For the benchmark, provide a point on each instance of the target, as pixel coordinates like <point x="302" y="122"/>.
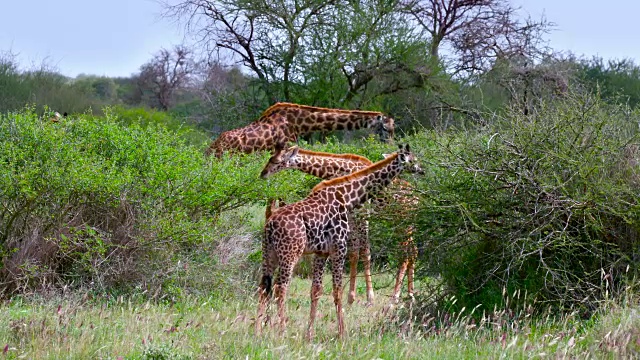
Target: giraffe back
<point x="320" y="164"/>
<point x="257" y="136"/>
<point x="304" y="119"/>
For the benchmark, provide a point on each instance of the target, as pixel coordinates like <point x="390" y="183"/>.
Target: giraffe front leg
<point x="366" y="249"/>
<point x="316" y="292"/>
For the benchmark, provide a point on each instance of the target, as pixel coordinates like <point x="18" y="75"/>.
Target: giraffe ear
<point x="400" y="147"/>
<point x="294" y="152"/>
<point x="406" y="147"/>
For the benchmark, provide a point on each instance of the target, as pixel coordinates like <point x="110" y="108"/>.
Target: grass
<point x="82" y="327"/>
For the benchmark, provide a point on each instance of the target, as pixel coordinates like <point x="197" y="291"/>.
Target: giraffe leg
<point x="399" y="277"/>
<point x="365" y="247"/>
<point x="316" y="292"/>
<point x="337" y="266"/>
<point x="353" y="246"/>
<point x="353" y="262"/>
<point x="410" y="272"/>
<point x="264" y="293"/>
<point x="280" y="290"/>
<point x="411" y="264"/>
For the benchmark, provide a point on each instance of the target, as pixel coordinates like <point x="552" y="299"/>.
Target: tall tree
<point x="340" y="47"/>
<point x="264" y="35"/>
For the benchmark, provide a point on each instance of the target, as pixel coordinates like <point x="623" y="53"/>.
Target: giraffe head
<point x="408" y="159"/>
<point x="384" y="127"/>
<point x="281" y="159"/>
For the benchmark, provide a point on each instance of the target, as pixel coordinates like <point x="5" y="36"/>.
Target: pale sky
<point x="100" y="37"/>
<point x="115" y="37"/>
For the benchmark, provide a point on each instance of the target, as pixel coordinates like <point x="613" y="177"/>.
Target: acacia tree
<point x="264" y="36"/>
<point x="166" y="73"/>
<point x="320" y="52"/>
<point x="378" y="53"/>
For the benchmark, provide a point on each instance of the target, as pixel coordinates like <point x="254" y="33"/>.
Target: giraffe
<point x="401" y="192"/>
<point x="329" y="166"/>
<point x="304" y="119"/>
<point x="319" y="225"/>
<point x="257" y="136"/>
<point x="287" y="121"/>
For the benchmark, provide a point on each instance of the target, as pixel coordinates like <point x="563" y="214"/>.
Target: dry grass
<point x="199" y="328"/>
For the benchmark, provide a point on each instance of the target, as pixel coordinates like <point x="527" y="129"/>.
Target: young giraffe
<point x="287" y="121"/>
<point x="319" y="224"/>
<point x="328" y="166"/>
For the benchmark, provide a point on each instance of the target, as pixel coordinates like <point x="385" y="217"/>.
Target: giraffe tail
<point x="265" y="284"/>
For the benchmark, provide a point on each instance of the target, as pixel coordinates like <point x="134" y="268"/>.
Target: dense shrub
<point x="91" y="200"/>
<point x="150" y="117"/>
<point x="546" y="204"/>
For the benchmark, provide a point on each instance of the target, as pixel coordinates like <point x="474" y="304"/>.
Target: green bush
<point x="89" y="200"/>
<point x="546" y="204"/>
<point x="149" y="117"/>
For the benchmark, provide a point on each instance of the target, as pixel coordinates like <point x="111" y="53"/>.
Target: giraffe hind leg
<point x="266" y="285"/>
<point x="280" y="290"/>
<point x="353" y="263"/>
<point x="263" y="301"/>
<point x="316" y="291"/>
<point x="337" y="266"/>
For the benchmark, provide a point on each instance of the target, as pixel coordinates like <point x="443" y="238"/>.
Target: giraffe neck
<point x="307" y="119"/>
<point x="356" y="188"/>
<point x="329" y="166"/>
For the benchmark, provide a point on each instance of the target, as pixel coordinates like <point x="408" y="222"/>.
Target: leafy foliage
<point x="90" y="193"/>
<point x="615" y="80"/>
<point x="545" y="203"/>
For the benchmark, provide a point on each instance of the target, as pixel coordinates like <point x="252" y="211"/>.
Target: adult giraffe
<point x="284" y="122"/>
<point x="319" y="225"/>
<point x="328" y="166"/>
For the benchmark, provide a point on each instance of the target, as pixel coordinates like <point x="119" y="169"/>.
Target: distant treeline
<point x="215" y="97"/>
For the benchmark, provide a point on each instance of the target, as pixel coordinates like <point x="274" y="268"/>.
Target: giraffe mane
<point x="336" y="156"/>
<point x="355" y="175"/>
<point x="284" y="105"/>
